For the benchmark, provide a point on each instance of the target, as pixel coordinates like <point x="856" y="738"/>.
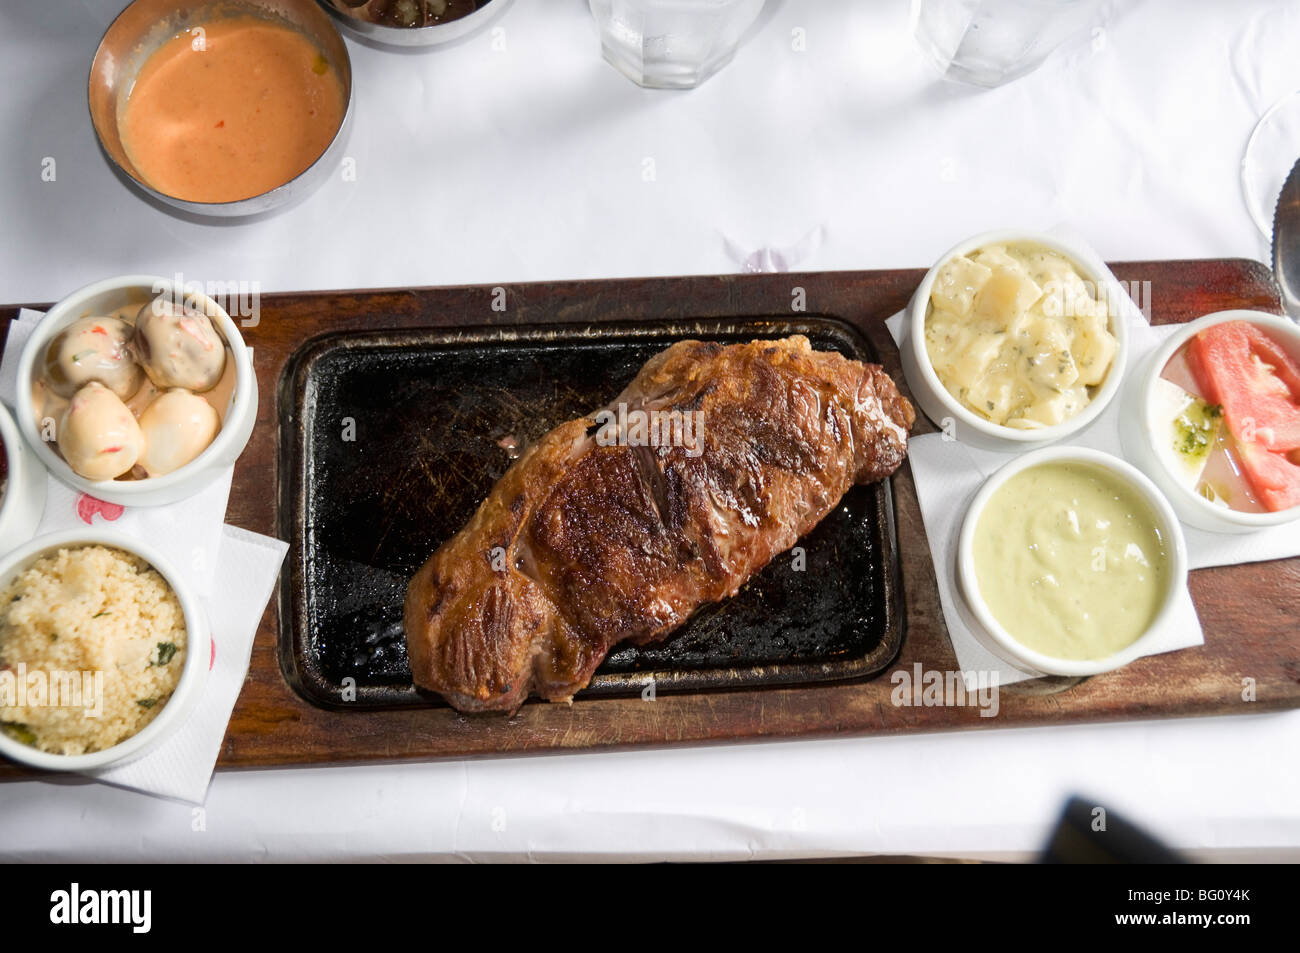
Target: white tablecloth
<point x="518" y="155"/>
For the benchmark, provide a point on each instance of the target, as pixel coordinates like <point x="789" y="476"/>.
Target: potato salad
<point x="1017" y="335"/>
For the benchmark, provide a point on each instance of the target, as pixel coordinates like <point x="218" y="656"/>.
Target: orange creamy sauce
<point x="251" y="109"/>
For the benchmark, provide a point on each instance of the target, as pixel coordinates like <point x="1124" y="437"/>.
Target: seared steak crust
<point x="582" y="545"/>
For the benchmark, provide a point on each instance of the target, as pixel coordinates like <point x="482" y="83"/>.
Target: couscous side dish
<point x="92" y="645"/>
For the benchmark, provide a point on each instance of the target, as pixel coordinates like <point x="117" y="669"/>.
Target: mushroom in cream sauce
<point x="93" y="349"/>
<point x="177" y="427"/>
<point x="98" y="435"/>
<point x="177" y="346"/>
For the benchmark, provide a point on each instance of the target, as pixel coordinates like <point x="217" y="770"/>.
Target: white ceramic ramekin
<point x="996" y="638"/>
<point x="968" y="426"/>
<point x="194" y="674"/>
<point x="1138" y="435"/>
<point x="237" y="424"/>
<point x="23" y="500"/>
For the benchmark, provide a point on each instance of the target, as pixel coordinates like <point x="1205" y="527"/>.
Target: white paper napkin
<point x="948" y="473"/>
<point x="181" y="767"/>
<point x="231" y="570"/>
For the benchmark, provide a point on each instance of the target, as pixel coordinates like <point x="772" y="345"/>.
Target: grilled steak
<point x="608" y="529"/>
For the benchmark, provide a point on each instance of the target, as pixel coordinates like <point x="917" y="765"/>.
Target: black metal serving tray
<point x="393" y="438"/>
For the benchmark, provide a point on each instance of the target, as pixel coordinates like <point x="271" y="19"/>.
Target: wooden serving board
<point x="1248" y="612"/>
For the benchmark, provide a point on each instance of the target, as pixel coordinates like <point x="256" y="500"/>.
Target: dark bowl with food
<point x="414" y="23"/>
<point x="22" y="486"/>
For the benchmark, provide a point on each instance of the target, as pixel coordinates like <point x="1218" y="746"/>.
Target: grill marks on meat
<point x="602" y="544"/>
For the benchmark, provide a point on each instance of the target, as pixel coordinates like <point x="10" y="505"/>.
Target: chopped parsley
<point x="1195" y="429"/>
<point x="18" y="732"/>
<point x="166" y="652"/>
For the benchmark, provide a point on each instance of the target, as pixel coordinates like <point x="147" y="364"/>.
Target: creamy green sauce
<point x="1070" y="560"/>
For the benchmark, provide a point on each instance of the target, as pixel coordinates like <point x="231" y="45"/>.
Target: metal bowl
<point x="144" y="26"/>
<point x="362" y="18"/>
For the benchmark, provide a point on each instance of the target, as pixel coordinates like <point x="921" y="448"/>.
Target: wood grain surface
<point x="1248" y="612"/>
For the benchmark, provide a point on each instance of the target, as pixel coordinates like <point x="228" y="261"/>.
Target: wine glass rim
<point x="1253" y="201"/>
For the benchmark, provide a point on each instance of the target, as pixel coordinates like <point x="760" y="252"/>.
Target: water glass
<point x="991" y="42"/>
<point x="672" y="44"/>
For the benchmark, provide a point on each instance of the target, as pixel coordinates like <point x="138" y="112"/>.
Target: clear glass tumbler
<point x="672" y="44"/>
<point x="991" y="42"/>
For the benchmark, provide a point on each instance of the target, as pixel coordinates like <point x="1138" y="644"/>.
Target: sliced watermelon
<point x="1248" y="374"/>
<point x="1273" y="477"/>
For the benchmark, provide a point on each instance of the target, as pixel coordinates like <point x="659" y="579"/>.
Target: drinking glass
<point x="1271" y="150"/>
<point x="991" y="42"/>
<point x="672" y="44"/>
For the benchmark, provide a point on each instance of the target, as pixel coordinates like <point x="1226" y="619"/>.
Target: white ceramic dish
<point x="194" y="674"/>
<point x="1137" y="429"/>
<point x="237" y="425"/>
<point x="968" y="426"/>
<point x="996" y="638"/>
<point x="23" y="500"/>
